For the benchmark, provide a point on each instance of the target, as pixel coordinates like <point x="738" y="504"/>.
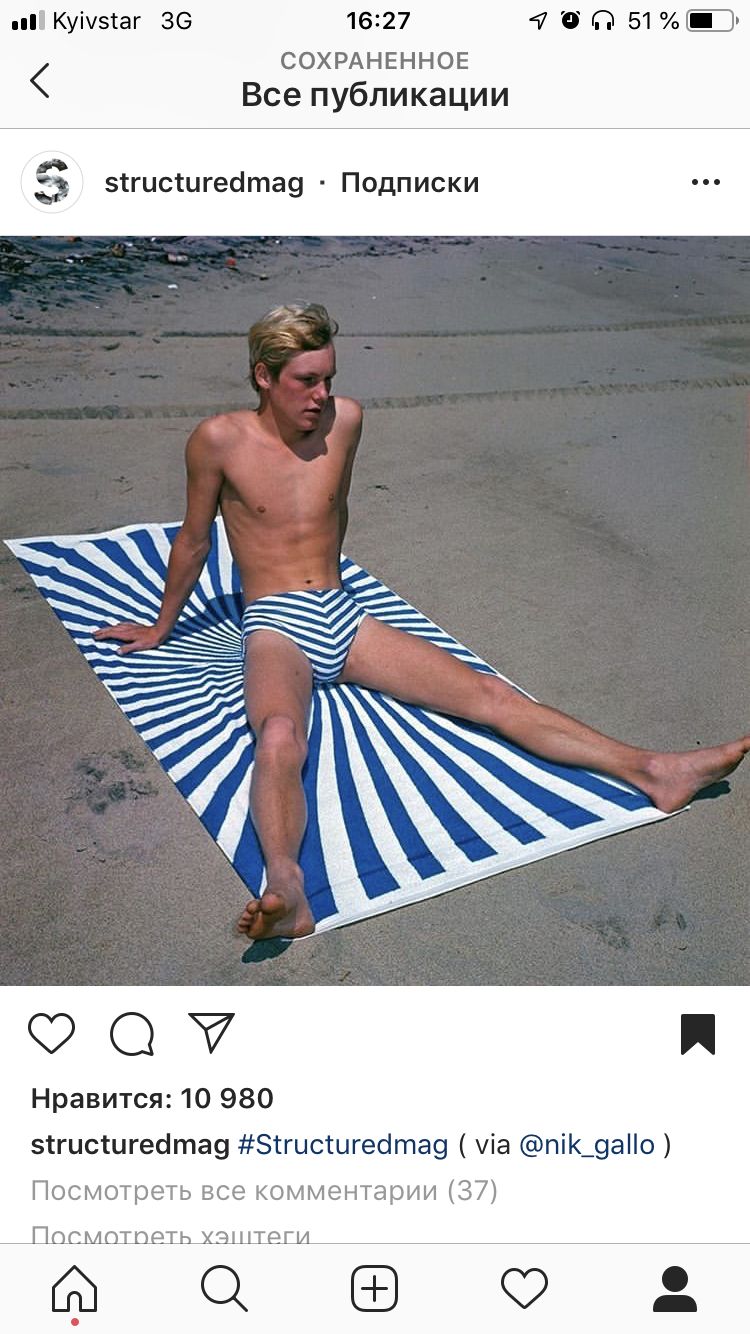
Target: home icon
<point x="74" y="1292"/>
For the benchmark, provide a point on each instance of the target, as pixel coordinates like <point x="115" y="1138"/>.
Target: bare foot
<point x="280" y="911"/>
<point x="670" y="780"/>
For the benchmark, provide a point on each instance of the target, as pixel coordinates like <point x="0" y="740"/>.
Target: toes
<point x="249" y="915"/>
<point x="275" y="914"/>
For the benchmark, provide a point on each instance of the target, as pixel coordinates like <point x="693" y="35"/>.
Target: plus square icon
<point x="374" y="1288"/>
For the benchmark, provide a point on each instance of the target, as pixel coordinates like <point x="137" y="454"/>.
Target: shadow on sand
<point x="262" y="950"/>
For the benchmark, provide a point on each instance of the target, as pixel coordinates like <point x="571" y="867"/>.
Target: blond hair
<point x="285" y="331"/>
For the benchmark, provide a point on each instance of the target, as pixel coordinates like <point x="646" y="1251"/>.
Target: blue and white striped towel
<point x="403" y="803"/>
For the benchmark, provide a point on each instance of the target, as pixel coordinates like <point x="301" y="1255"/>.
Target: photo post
<point x="374" y="573"/>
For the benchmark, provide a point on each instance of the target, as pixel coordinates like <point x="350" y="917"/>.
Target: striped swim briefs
<point x="320" y="621"/>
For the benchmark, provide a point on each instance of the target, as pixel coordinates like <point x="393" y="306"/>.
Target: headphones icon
<point x="609" y="17"/>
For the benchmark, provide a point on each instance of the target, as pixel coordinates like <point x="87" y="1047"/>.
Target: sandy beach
<point x="554" y="469"/>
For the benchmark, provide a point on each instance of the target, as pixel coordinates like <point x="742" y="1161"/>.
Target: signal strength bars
<point x="34" y="23"/>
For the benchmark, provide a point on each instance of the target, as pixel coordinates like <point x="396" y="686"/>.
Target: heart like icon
<point x="51" y="1031"/>
<point x="524" y="1286"/>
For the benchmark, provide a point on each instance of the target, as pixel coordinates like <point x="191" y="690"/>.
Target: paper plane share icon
<point x="214" y="1026"/>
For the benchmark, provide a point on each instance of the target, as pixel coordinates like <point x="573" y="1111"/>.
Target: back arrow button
<point x="38" y="86"/>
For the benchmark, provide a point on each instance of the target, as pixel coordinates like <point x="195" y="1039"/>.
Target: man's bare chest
<point x="284" y="488"/>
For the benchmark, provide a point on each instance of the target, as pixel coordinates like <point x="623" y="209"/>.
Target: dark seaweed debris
<point x="60" y="271"/>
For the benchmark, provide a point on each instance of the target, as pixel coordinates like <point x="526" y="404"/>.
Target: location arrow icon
<point x="538" y="19"/>
<point x="214" y="1026"/>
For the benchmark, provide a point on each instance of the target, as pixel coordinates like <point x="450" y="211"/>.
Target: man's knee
<point x="496" y="694"/>
<point x="280" y="740"/>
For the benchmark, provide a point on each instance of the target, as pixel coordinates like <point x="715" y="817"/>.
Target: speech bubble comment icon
<point x="51" y="1031"/>
<point x="132" y="1034"/>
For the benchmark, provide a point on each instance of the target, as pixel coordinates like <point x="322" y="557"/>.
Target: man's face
<point x="303" y="388"/>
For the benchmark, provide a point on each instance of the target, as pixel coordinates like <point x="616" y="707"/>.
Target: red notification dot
<point x="74" y="1322"/>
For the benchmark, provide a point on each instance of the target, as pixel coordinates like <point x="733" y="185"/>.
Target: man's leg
<point x="417" y="672"/>
<point x="278" y="686"/>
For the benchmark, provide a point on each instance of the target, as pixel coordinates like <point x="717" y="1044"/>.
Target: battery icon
<point x="710" y="20"/>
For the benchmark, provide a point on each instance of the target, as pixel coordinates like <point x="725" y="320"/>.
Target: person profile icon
<point x="674" y="1299"/>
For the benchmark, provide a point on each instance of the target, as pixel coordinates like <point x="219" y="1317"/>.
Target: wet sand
<point x="554" y="469"/>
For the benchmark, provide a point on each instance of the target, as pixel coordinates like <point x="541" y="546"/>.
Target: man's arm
<point x="190" y="547"/>
<point x="351" y="413"/>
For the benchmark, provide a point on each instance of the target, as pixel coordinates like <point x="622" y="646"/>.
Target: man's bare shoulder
<point x="226" y="428"/>
<point x="215" y="437"/>
<point x="348" y="410"/>
<point x="349" y="417"/>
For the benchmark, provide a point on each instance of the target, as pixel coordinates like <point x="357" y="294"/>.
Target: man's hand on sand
<point x="136" y="638"/>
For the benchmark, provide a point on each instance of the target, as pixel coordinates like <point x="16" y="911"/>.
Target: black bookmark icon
<point x="698" y="1030"/>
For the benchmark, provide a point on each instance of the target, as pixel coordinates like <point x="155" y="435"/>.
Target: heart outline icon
<point x="52" y="1020"/>
<point x="524" y="1274"/>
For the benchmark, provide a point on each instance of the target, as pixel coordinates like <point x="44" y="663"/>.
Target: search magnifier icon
<point x="221" y="1285"/>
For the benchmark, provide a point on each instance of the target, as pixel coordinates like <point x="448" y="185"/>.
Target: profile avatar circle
<point x="675" y="1299"/>
<point x="52" y="181"/>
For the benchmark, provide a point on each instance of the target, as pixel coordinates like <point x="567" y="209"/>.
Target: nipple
<point x="261" y="509"/>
